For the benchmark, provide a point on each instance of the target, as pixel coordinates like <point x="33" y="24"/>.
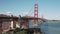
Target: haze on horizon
<point x="50" y="9"/>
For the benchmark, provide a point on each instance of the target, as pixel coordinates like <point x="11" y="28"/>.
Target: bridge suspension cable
<point x="30" y="12"/>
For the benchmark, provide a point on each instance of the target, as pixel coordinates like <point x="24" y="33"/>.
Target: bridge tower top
<point x="36" y="10"/>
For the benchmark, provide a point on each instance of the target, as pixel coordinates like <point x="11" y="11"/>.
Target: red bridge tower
<point x="35" y="15"/>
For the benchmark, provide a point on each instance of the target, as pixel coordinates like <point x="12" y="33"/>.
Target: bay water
<point x="48" y="27"/>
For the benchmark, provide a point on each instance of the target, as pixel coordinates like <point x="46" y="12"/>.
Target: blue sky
<point x="50" y="9"/>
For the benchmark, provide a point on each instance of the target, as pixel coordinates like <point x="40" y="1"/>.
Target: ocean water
<point x="48" y="27"/>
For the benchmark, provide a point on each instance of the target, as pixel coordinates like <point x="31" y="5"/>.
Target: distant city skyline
<point x="50" y="9"/>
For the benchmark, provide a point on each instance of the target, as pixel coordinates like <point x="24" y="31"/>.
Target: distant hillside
<point x="55" y="21"/>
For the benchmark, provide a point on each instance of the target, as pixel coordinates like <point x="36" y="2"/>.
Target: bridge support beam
<point x="11" y="24"/>
<point x="24" y="24"/>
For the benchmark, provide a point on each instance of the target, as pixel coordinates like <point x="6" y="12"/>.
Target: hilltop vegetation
<point x="16" y="31"/>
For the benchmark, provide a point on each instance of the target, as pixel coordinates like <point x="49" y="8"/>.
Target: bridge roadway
<point x="24" y="18"/>
<point x="32" y="18"/>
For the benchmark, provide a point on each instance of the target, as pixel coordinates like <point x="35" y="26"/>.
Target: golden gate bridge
<point x="24" y="20"/>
